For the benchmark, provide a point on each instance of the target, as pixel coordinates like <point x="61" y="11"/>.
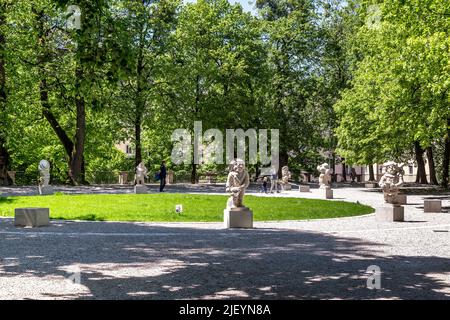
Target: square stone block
<point x="304" y="189"/>
<point x="328" y="194"/>
<point x="433" y="206"/>
<point x="238" y="218"/>
<point x="31" y="217"/>
<point x="390" y="213"/>
<point x="140" y="189"/>
<point x="402" y="199"/>
<point x="287" y="187"/>
<point x="48" y="190"/>
<point x="371" y="185"/>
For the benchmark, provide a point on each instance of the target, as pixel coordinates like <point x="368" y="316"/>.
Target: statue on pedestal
<point x="237" y="181"/>
<point x="141" y="174"/>
<point x="391" y="181"/>
<point x="44" y="173"/>
<point x="325" y="176"/>
<point x="285" y="176"/>
<point x="44" y="178"/>
<point x="236" y="215"/>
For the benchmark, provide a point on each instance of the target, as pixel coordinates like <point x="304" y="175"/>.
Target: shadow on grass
<point x="6" y="200"/>
<point x="86" y="217"/>
<point x="137" y="261"/>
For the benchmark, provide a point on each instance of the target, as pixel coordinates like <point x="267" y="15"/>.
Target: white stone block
<point x="432" y="206"/>
<point x="390" y="213"/>
<point x="304" y="189"/>
<point x="238" y="218"/>
<point x="370" y="185"/>
<point x="31" y="217"/>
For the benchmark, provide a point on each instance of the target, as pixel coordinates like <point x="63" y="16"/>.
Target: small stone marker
<point x="432" y="206"/>
<point x="370" y="185"/>
<point x="390" y="213"/>
<point x="31" y="217"/>
<point x="240" y="217"/>
<point x="304" y="189"/>
<point x="328" y="193"/>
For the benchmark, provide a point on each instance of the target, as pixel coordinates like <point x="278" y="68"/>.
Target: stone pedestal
<point x="12" y="176"/>
<point x="328" y="193"/>
<point x="287" y="187"/>
<point x="432" y="206"/>
<point x="304" y="189"/>
<point x="402" y="199"/>
<point x="390" y="213"/>
<point x="31" y="217"/>
<point x="140" y="189"/>
<point x="47" y="190"/>
<point x="123" y="177"/>
<point x="241" y="217"/>
<point x="371" y="185"/>
<point x="169" y="177"/>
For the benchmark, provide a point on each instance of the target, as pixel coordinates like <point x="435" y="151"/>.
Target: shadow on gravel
<point x="155" y="262"/>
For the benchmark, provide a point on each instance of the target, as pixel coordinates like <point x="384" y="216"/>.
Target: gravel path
<point x="316" y="259"/>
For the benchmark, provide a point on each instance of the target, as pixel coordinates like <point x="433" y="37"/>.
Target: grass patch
<point x="161" y="207"/>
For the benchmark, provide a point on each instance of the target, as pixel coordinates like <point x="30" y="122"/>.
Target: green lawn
<point x="161" y="207"/>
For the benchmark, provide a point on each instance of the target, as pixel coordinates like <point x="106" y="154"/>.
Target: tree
<point x="292" y="38"/>
<point x="216" y="56"/>
<point x="145" y="33"/>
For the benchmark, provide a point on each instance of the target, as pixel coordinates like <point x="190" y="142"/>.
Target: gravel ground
<point x="315" y="259"/>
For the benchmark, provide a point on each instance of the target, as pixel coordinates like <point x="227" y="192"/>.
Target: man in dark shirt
<point x="162" y="176"/>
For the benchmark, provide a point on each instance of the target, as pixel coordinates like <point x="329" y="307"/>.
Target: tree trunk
<point x="431" y="166"/>
<point x="194" y="174"/>
<point x="75" y="171"/>
<point x="4" y="154"/>
<point x="421" y="173"/>
<point x="46" y="111"/>
<point x="284" y="159"/>
<point x="137" y="141"/>
<point x="333" y="168"/>
<point x="371" y="173"/>
<point x="344" y="170"/>
<point x="446" y="160"/>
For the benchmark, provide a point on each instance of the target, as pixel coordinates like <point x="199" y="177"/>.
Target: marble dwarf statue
<point x="44" y="173"/>
<point x="141" y="174"/>
<point x="237" y="181"/>
<point x="285" y="176"/>
<point x="325" y="176"/>
<point x="391" y="180"/>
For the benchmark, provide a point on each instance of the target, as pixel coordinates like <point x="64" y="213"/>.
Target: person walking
<point x="162" y="176"/>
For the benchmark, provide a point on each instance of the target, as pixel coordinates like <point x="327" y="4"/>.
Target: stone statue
<point x="325" y="176"/>
<point x="141" y="174"/>
<point x="285" y="176"/>
<point x="391" y="180"/>
<point x="237" y="181"/>
<point x="44" y="173"/>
